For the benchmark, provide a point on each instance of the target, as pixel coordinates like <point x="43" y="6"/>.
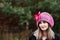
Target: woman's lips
<point x="43" y="27"/>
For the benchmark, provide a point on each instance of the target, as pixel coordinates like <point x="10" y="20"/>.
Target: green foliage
<point x="24" y="14"/>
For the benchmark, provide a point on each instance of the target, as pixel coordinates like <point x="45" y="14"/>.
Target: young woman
<point x="44" y="24"/>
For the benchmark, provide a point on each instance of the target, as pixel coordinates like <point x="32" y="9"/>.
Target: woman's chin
<point x="43" y="29"/>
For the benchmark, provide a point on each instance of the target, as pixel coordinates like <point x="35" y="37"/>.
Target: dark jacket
<point x="32" y="37"/>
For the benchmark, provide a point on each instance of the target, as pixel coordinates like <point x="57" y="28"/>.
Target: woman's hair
<point x="38" y="33"/>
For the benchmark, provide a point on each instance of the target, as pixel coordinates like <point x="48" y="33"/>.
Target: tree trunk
<point x="27" y="25"/>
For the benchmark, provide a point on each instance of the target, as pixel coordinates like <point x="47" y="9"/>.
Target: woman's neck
<point x="44" y="37"/>
<point x="44" y="33"/>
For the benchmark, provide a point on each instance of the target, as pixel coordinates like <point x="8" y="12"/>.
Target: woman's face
<point x="43" y="25"/>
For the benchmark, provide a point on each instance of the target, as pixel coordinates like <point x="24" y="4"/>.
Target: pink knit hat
<point x="44" y="16"/>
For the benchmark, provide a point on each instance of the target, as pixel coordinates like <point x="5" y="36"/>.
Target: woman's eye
<point x="44" y="22"/>
<point x="39" y="22"/>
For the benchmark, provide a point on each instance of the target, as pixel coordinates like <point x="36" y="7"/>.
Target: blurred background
<point x="17" y="17"/>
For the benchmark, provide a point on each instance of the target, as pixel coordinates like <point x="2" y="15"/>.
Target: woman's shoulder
<point x="32" y="37"/>
<point x="57" y="37"/>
